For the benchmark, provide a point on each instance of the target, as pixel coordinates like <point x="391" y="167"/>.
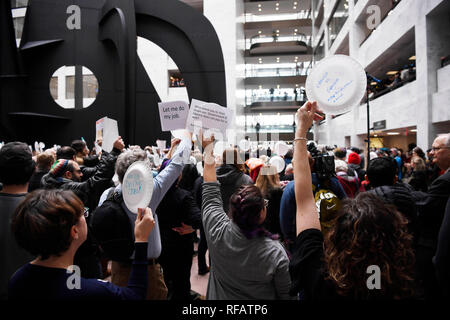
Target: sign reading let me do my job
<point x="173" y="115"/>
<point x="208" y="117"/>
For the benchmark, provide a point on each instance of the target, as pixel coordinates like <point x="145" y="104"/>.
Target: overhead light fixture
<point x="259" y="5"/>
<point x="259" y="31"/>
<point x="278" y="86"/>
<point x="393" y="133"/>
<point x="413" y="130"/>
<point x="374" y="83"/>
<point x="412" y="58"/>
<point x="259" y="9"/>
<point x="391" y="73"/>
<point x="294" y="7"/>
<point x="296" y="85"/>
<point x="260" y="87"/>
<point x="277" y="4"/>
<point x="295" y="3"/>
<point x="295" y="30"/>
<point x="375" y="135"/>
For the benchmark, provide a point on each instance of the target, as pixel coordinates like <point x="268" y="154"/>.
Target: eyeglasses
<point x="86" y="212"/>
<point x="266" y="203"/>
<point x="434" y="149"/>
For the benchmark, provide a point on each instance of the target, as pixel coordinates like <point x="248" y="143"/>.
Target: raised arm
<point x="307" y="217"/>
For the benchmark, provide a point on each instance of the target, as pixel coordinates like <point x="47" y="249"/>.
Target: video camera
<point x="323" y="162"/>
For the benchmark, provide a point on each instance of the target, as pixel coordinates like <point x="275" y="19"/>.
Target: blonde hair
<point x="268" y="178"/>
<point x="419" y="164"/>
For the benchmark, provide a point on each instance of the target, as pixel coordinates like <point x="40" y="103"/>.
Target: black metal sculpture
<point x="106" y="43"/>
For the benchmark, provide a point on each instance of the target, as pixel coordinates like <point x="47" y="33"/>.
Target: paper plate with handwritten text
<point x="137" y="186"/>
<point x="337" y="83"/>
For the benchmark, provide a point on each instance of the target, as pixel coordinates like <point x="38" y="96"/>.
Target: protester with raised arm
<point x="368" y="237"/>
<point x="246" y="263"/>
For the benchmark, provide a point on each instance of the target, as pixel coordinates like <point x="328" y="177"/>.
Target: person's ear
<point x="74" y="234"/>
<point x="67" y="175"/>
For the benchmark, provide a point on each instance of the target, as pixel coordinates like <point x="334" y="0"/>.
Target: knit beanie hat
<point x="354" y="158"/>
<point x="59" y="167"/>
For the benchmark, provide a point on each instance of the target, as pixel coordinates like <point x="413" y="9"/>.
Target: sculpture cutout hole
<point x="73" y="87"/>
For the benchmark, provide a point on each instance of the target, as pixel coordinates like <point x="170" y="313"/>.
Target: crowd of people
<point x="312" y="231"/>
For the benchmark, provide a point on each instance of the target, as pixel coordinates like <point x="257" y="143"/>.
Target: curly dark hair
<point x="369" y="232"/>
<point x="42" y="222"/>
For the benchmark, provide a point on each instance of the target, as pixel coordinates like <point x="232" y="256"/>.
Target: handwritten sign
<point x="173" y="115"/>
<point x="133" y="184"/>
<point x="333" y="87"/>
<point x="208" y="117"/>
<point x="137" y="186"/>
<point x="337" y="83"/>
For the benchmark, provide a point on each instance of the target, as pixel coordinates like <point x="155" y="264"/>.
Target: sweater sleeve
<point x="213" y="216"/>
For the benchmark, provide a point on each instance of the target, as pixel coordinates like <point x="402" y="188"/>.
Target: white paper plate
<point x="281" y="148"/>
<point x="278" y="162"/>
<point x="137" y="186"/>
<point x="337" y="83"/>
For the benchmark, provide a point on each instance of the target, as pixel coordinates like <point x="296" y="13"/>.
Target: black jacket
<point x="112" y="229"/>
<point x="402" y="197"/>
<point x="359" y="171"/>
<point x="432" y="207"/>
<point x="35" y="180"/>
<point x="272" y="221"/>
<point x="88" y="191"/>
<point x="442" y="258"/>
<point x="419" y="180"/>
<point x="177" y="206"/>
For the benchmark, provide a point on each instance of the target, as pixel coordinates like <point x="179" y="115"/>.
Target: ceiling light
<point x="375" y="135"/>
<point x="391" y="73"/>
<point x="413" y="130"/>
<point x="277" y="4"/>
<point x="294" y="7"/>
<point x="393" y="133"/>
<point x="412" y="58"/>
<point x="259" y="5"/>
<point x="295" y="3"/>
<point x="260" y="86"/>
<point x="296" y="85"/>
<point x="277" y="8"/>
<point x="278" y="86"/>
<point x="295" y="30"/>
<point x="259" y="9"/>
<point x="259" y="31"/>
